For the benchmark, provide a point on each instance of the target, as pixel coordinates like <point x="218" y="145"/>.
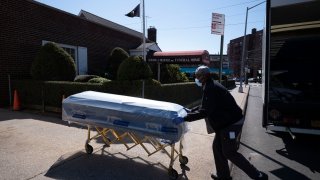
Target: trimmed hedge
<point x="40" y="94"/>
<point x="43" y="94"/>
<point x="117" y="56"/>
<point x="180" y="93"/>
<point x="169" y="73"/>
<point x="99" y="80"/>
<point x="84" y="78"/>
<point x="49" y="93"/>
<point x="53" y="64"/>
<point x="134" y="68"/>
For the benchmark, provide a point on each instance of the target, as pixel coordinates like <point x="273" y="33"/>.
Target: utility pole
<point x="221" y="58"/>
<point x="244" y="47"/>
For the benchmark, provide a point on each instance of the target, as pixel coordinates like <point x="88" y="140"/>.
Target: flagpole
<point x="143" y="41"/>
<point x="143" y="29"/>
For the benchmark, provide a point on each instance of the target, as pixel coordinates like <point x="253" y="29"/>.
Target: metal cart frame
<point x="118" y="136"/>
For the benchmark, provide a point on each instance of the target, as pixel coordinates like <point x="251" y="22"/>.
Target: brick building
<point x="26" y="25"/>
<point x="215" y="61"/>
<point x="253" y="52"/>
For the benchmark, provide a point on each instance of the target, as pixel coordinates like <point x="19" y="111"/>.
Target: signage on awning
<point x="181" y="57"/>
<point x="177" y="60"/>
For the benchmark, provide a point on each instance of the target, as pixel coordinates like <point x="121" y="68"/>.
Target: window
<point x="78" y="54"/>
<point x="71" y="51"/>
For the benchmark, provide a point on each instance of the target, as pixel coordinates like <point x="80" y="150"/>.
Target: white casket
<point x="144" y="116"/>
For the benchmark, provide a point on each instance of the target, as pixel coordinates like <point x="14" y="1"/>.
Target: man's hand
<point x="187" y="109"/>
<point x="187" y="119"/>
<point x="196" y="108"/>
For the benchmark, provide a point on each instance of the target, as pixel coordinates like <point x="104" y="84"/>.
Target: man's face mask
<point x="198" y="82"/>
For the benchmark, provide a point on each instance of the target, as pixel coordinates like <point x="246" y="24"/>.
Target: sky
<point x="182" y="25"/>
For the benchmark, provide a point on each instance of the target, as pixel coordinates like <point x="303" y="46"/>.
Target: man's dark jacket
<point x="218" y="106"/>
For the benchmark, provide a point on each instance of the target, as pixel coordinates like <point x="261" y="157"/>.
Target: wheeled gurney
<point x="128" y="120"/>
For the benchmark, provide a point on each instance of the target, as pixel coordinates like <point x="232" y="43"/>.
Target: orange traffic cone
<point x="16" y="101"/>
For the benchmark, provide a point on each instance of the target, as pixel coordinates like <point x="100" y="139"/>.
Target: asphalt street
<point x="275" y="153"/>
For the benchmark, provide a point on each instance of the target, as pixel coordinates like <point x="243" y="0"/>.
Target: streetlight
<point x="244" y="45"/>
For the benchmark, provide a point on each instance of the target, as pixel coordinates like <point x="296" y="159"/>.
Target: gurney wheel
<point x="89" y="148"/>
<point x="183" y="160"/>
<point x="173" y="174"/>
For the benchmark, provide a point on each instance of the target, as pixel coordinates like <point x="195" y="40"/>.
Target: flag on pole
<point x="135" y="12"/>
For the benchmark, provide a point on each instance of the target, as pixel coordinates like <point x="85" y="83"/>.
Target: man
<point x="224" y="117"/>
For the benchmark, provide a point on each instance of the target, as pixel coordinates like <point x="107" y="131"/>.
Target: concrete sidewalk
<point x="41" y="147"/>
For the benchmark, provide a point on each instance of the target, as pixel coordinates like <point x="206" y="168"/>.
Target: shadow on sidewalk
<point x="285" y="172"/>
<point x="304" y="149"/>
<point x="106" y="165"/>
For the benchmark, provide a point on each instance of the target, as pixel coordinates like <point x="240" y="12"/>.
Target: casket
<point x="131" y="114"/>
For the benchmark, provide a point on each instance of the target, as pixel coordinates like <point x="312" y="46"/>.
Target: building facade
<point x="215" y="61"/>
<point x="26" y="25"/>
<point x="253" y="50"/>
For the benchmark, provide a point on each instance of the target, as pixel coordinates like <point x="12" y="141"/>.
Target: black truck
<point x="291" y="66"/>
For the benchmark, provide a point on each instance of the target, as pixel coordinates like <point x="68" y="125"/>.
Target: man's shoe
<point x="263" y="176"/>
<point x="219" y="178"/>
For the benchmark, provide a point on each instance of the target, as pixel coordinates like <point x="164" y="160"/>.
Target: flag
<point x="135" y="12"/>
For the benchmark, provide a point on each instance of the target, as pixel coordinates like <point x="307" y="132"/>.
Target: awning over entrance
<point x="191" y="70"/>
<point x="181" y="57"/>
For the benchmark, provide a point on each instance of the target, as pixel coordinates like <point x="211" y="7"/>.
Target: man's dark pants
<point x="225" y="147"/>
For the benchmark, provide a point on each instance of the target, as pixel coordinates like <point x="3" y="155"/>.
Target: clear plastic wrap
<point x="144" y="116"/>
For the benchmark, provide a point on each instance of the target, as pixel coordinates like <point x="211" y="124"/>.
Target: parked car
<point x="251" y="80"/>
<point x="236" y="79"/>
<point x="254" y="80"/>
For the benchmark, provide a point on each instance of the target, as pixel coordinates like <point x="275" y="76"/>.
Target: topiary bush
<point x="53" y="64"/>
<point x="134" y="68"/>
<point x="117" y="56"/>
<point x="169" y="73"/>
<point x="175" y="75"/>
<point x="84" y="78"/>
<point x="99" y="80"/>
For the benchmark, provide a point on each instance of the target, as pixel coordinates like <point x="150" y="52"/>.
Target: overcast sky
<point x="180" y="24"/>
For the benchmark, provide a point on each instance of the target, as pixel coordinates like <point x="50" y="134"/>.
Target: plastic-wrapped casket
<point x="149" y="117"/>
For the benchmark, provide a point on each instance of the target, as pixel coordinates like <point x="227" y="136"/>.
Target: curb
<point x="245" y="103"/>
<point x="244" y="110"/>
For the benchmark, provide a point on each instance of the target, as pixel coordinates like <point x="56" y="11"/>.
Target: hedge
<point x="47" y="95"/>
<point x="117" y="56"/>
<point x="134" y="68"/>
<point x="53" y="64"/>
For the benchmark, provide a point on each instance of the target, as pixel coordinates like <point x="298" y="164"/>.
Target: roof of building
<point x="149" y="46"/>
<point x="94" y="18"/>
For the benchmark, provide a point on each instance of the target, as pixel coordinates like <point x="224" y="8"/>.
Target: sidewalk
<point x="40" y="147"/>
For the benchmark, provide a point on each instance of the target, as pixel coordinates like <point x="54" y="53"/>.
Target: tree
<point x="117" y="56"/>
<point x="169" y="73"/>
<point x="53" y="64"/>
<point x="134" y="68"/>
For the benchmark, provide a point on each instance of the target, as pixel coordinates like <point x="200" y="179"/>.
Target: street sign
<point x="217" y="24"/>
<point x="218" y="18"/>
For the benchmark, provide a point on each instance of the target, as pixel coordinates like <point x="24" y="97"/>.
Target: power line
<point x="232" y="15"/>
<point x="200" y="27"/>
<point x="232" y="5"/>
<point x="227" y="16"/>
<point x="223" y="7"/>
